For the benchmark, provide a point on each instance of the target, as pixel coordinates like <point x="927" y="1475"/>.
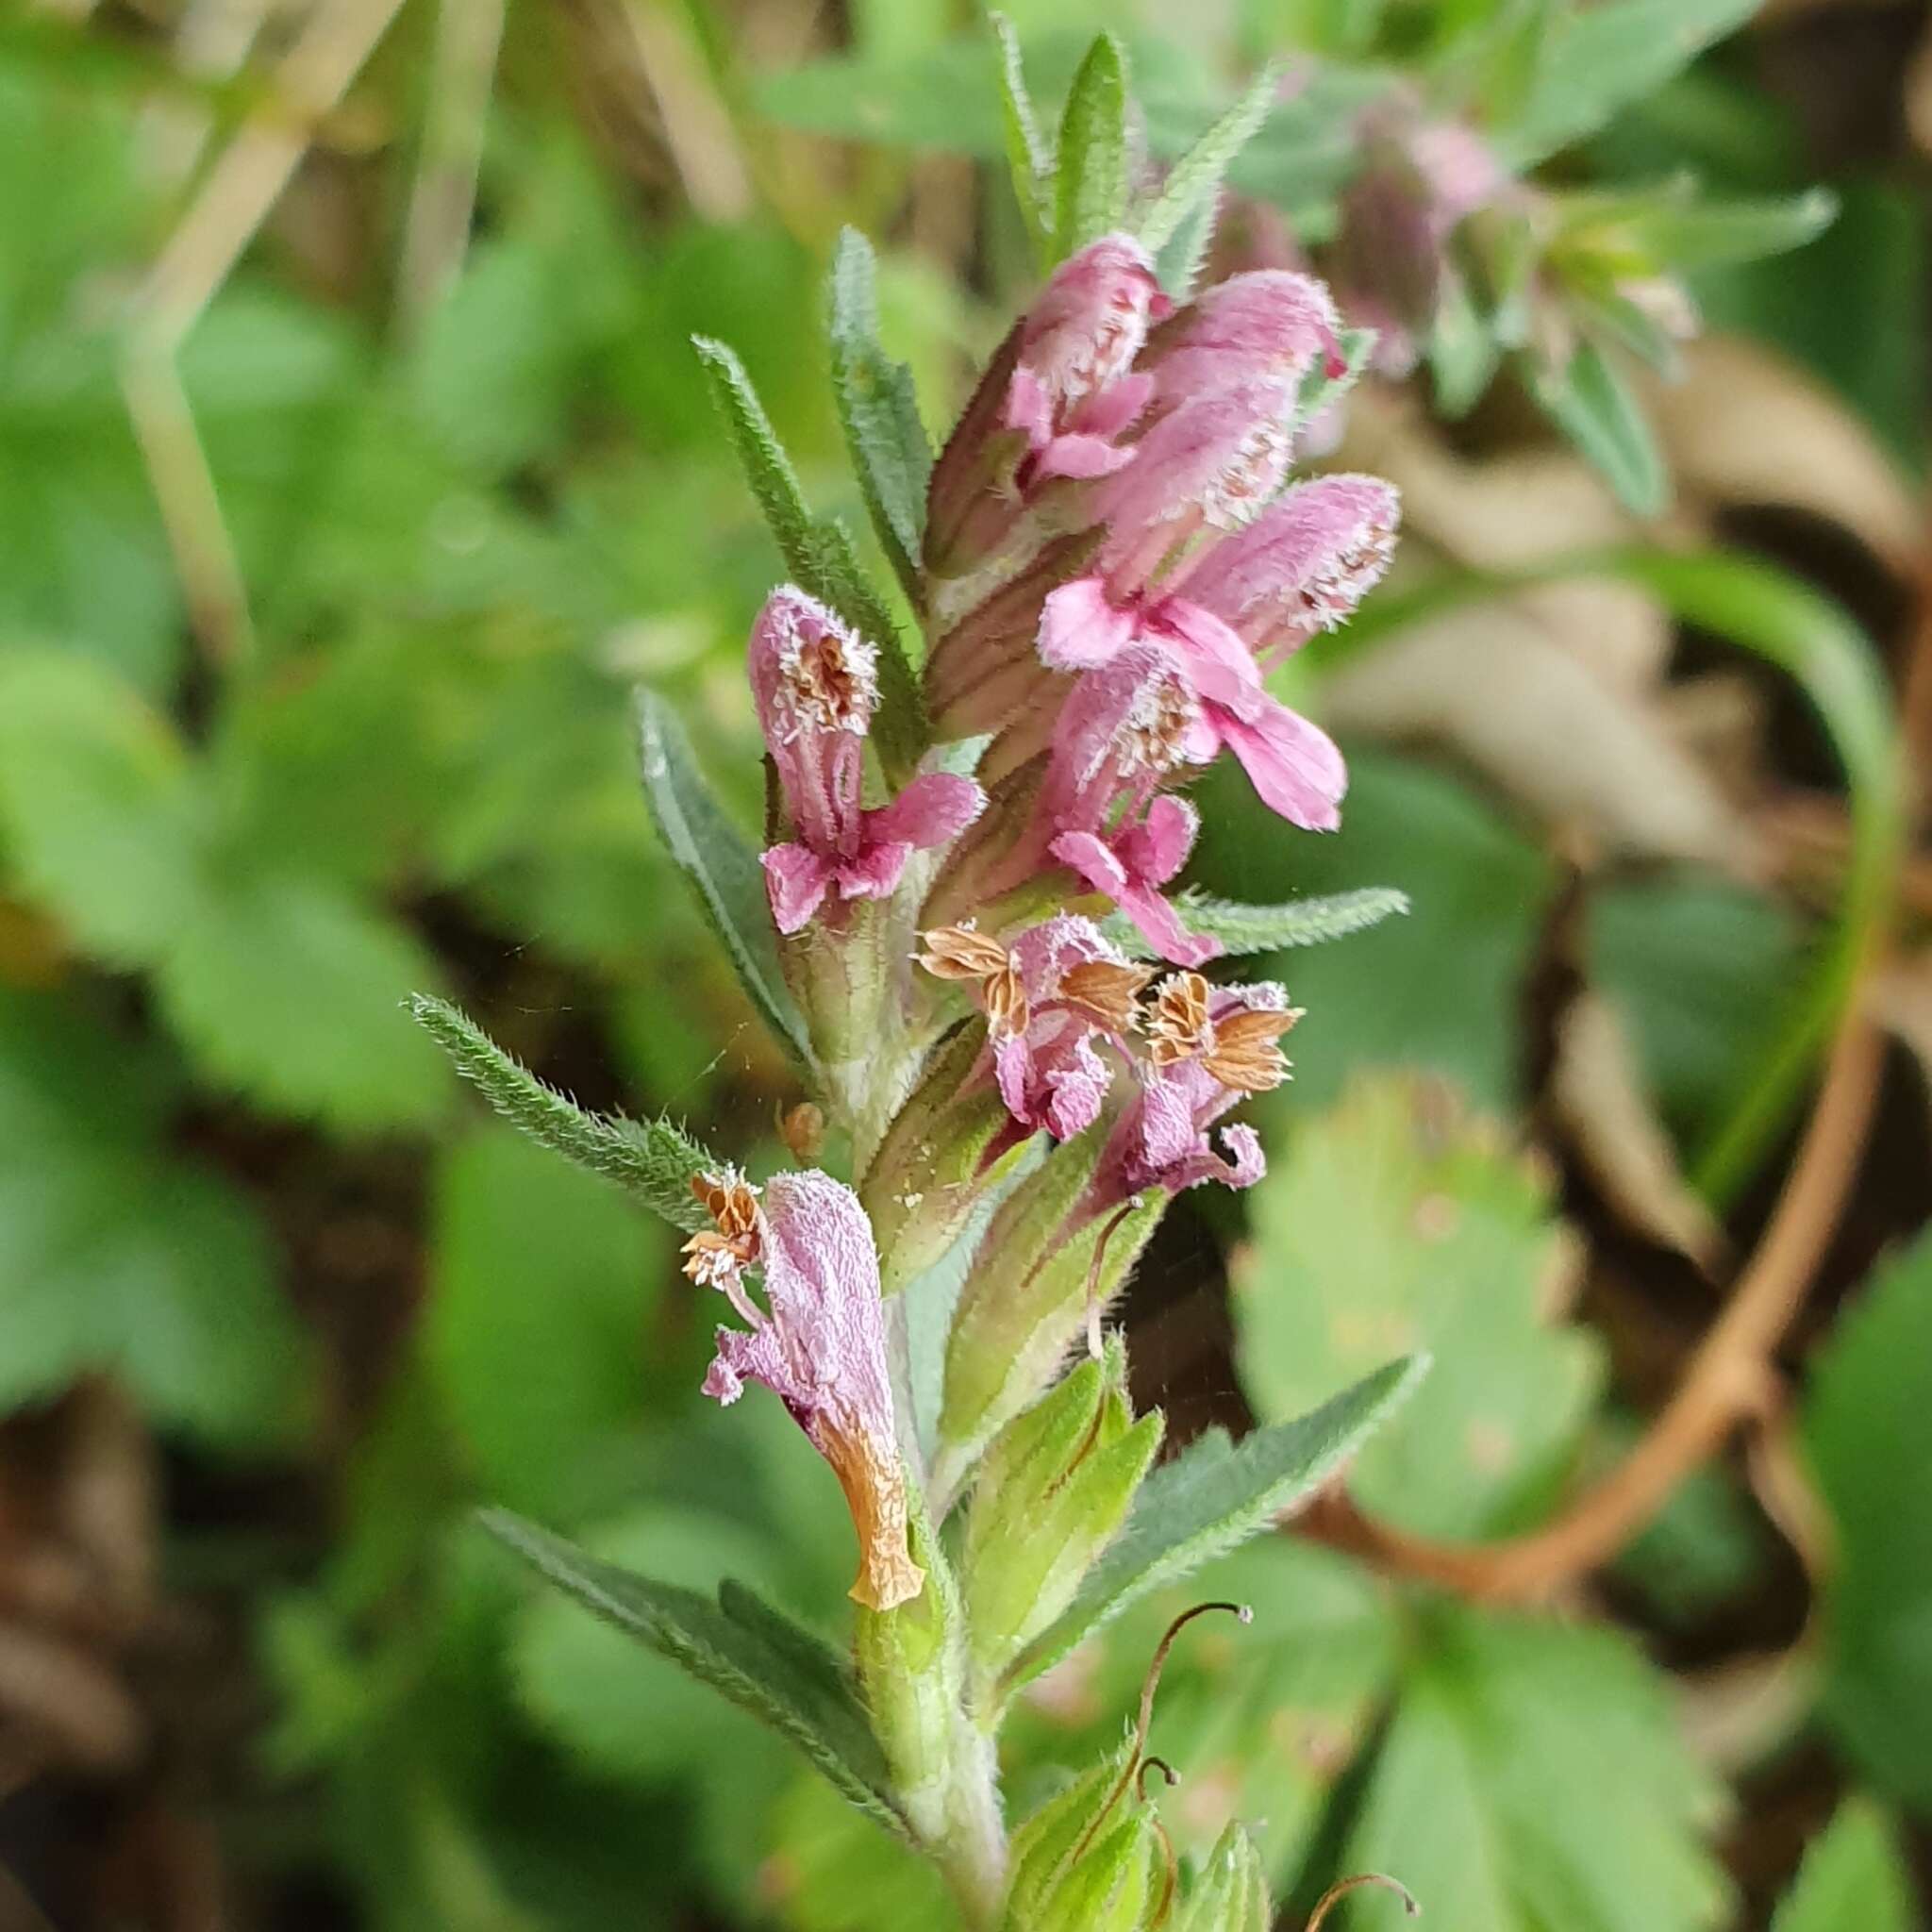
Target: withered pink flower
<point x="1072" y="390"/>
<point x="815" y="683"/>
<point x="1059" y="988"/>
<point x="1269" y="324"/>
<point x="1293" y="765"/>
<point x="1207" y="1049"/>
<point x="821" y="1349"/>
<point x="1302" y="566"/>
<point x="1124" y="730"/>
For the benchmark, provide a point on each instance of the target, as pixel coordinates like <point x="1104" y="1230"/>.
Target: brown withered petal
<point x="957" y="952"/>
<point x="1105" y="991"/>
<point x="1245" y="1054"/>
<point x="732" y="1203"/>
<point x="1180" y="1028"/>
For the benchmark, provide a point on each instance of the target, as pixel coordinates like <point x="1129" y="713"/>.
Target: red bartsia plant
<point x="964" y="923"/>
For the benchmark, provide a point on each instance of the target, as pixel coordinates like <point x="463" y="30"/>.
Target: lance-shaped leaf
<point x="742" y="1646"/>
<point x="1027" y="153"/>
<point x="1196" y="177"/>
<point x="711" y="853"/>
<point x="1090" y="192"/>
<point x="1270" y="928"/>
<point x="878" y="410"/>
<point x="819" y="554"/>
<point x="651" y="1159"/>
<point x="1214" y="1495"/>
<point x="1594" y="406"/>
<point x="1600" y="58"/>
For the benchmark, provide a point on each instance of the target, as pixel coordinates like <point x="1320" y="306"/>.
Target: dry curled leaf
<point x="1745" y="425"/>
<point x="1489" y="682"/>
<point x="1600" y="1099"/>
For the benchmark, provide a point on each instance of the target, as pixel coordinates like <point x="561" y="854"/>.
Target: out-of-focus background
<point x="354" y="465"/>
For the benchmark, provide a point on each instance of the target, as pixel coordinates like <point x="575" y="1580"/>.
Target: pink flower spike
<point x="1270" y="322"/>
<point x="815" y="686"/>
<point x="821" y="1351"/>
<point x="1304" y="564"/>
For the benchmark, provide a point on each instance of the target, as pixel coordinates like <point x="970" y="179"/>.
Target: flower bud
<point x="1044" y="1264"/>
<point x="938" y="1159"/>
<point x="1054" y="1488"/>
<point x="1086" y="1861"/>
<point x="1057" y="393"/>
<point x="1231" y="1893"/>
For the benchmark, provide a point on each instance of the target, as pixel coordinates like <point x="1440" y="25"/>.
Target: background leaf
<point x="1389" y="1223"/>
<point x="1867" y="1433"/>
<point x="723" y="870"/>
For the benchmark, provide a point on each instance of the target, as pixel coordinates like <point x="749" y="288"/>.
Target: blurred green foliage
<point x="223" y="870"/>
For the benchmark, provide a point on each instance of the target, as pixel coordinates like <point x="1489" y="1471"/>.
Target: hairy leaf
<point x="818" y="552"/>
<point x="1265" y="928"/>
<point x="747" y="1651"/>
<point x="722" y="868"/>
<point x="1090" y="192"/>
<point x="1216" y="1494"/>
<point x="1196" y="177"/>
<point x="654" y="1160"/>
<point x="878" y="411"/>
<point x="1031" y="165"/>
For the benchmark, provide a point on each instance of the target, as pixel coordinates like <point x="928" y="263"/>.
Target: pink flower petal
<point x="1079" y="459"/>
<point x="1080" y="628"/>
<point x="1295" y="768"/>
<point x="1095" y="862"/>
<point x="1158" y="847"/>
<point x="877" y="871"/>
<point x="936" y="806"/>
<point x="796" y="881"/>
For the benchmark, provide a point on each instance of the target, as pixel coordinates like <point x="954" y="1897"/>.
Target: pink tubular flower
<point x="1072" y="392"/>
<point x="1208" y="464"/>
<point x="1303" y="565"/>
<point x="1124" y="729"/>
<point x="1059" y="988"/>
<point x="1208" y="1047"/>
<point x="821" y="1350"/>
<point x="1293" y="765"/>
<point x="815" y="684"/>
<point x="1270" y="323"/>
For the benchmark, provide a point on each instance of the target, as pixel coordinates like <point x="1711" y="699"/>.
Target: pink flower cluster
<point x="1116" y="564"/>
<point x="1064" y="1016"/>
